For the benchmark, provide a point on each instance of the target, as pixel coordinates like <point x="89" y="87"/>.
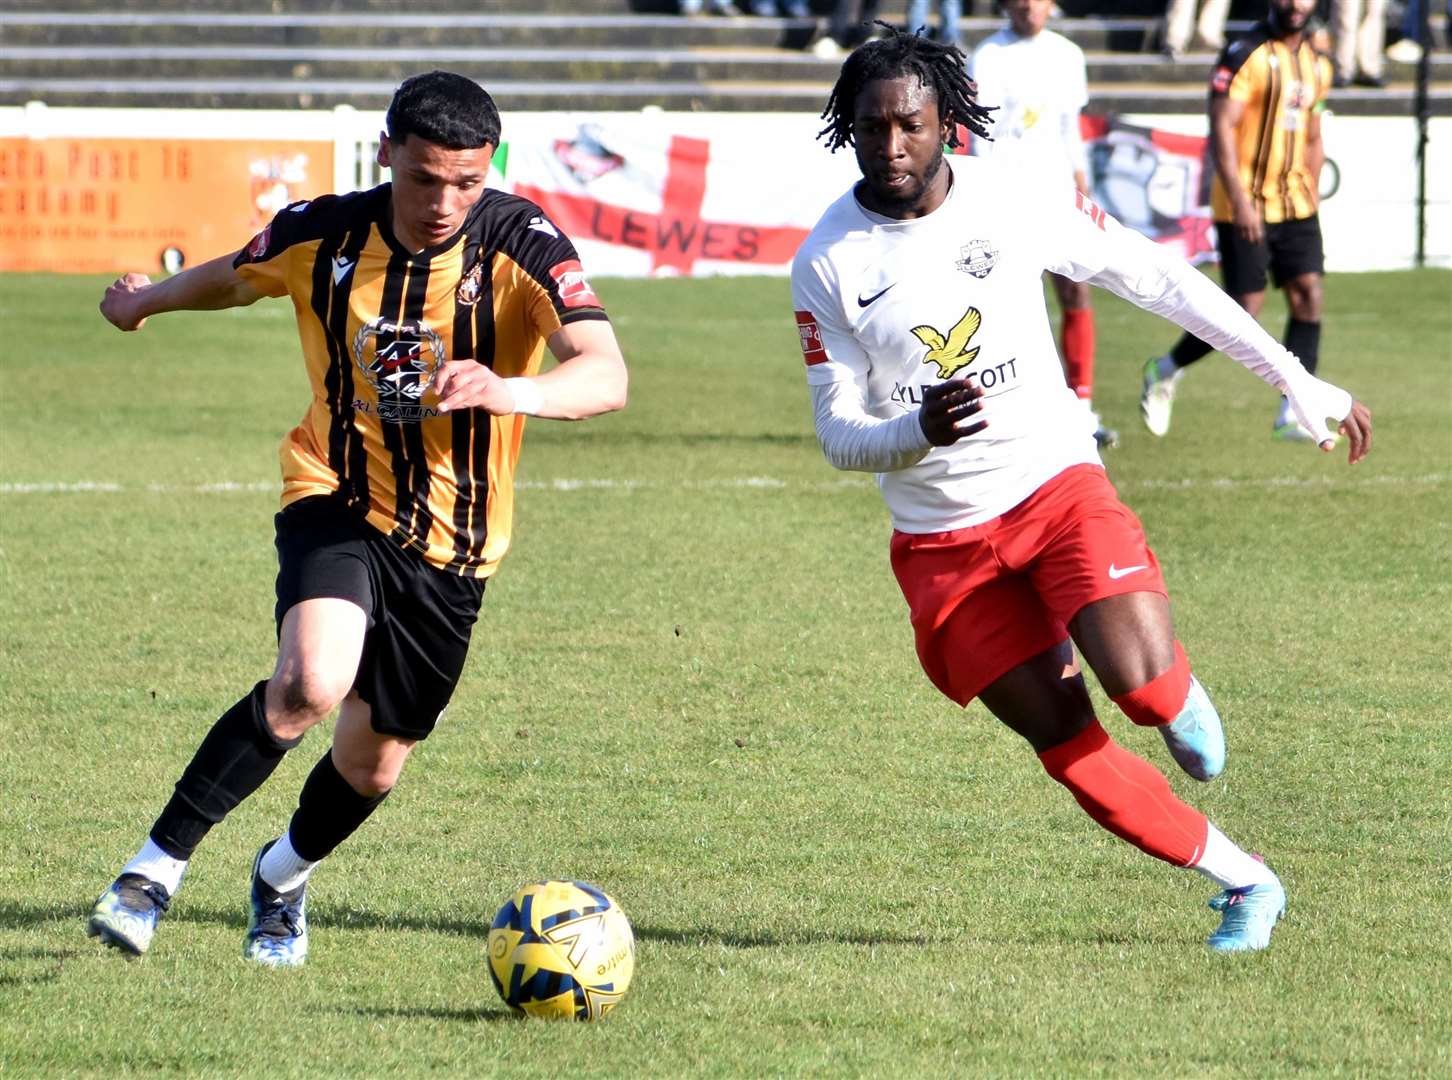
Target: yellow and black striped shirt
<point x="376" y="321"/>
<point x="1280" y="88"/>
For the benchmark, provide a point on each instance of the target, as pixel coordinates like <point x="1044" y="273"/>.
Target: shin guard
<point x="1128" y="796"/>
<point x="328" y="811"/>
<point x="236" y="757"/>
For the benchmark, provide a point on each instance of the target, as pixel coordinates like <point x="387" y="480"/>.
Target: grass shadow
<point x="468" y="1016"/>
<point x="733" y="939"/>
<point x="49" y="961"/>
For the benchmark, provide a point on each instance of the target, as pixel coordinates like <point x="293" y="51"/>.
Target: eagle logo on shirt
<point x="952" y="352"/>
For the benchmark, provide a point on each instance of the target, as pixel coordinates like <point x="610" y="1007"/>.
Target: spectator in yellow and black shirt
<point x="424" y="308"/>
<point x="1266" y="96"/>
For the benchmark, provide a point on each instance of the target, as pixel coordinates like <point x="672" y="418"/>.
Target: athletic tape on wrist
<point x="528" y="397"/>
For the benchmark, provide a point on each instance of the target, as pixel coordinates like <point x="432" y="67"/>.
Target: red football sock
<point x="1077" y="340"/>
<point x="1160" y="700"/>
<point x="1128" y="796"/>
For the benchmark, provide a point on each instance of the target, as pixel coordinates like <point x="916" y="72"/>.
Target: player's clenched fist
<point x="121" y="305"/>
<point x="947" y="409"/>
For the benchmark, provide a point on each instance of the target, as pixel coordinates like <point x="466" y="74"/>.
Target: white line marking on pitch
<point x="759" y="483"/>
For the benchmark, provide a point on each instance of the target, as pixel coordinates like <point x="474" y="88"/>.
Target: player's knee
<point x="302" y="697"/>
<point x="1304" y="298"/>
<point x="1160" y="699"/>
<point x="371" y="778"/>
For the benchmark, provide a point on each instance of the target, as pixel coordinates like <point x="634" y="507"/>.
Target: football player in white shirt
<point x="931" y="362"/>
<point x="1036" y="82"/>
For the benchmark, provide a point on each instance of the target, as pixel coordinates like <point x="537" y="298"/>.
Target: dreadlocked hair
<point x="935" y="63"/>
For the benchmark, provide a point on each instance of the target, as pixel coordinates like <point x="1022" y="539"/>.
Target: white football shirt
<point x="1038" y="86"/>
<point x="886" y="308"/>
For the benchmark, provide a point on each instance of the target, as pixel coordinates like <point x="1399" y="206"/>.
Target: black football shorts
<point x="1289" y="249"/>
<point x="419" y="617"/>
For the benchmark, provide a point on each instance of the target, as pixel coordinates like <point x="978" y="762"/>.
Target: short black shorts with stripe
<point x="419" y="617"/>
<point x="1290" y="249"/>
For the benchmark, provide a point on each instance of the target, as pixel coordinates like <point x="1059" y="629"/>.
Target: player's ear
<point x="383" y="160"/>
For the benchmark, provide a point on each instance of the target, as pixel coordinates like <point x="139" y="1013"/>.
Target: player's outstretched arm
<point x="1097" y="249"/>
<point x="132" y="298"/>
<point x="589" y="379"/>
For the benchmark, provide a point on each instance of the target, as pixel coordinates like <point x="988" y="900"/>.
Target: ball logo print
<point x="562" y="950"/>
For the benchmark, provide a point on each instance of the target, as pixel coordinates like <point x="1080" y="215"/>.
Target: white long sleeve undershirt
<point x="852" y="439"/>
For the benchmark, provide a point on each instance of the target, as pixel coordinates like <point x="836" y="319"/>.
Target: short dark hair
<point x="444" y="108"/>
<point x="938" y="65"/>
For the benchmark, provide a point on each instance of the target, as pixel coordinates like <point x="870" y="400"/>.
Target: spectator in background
<point x="1180" y="21"/>
<point x="851" y="25"/>
<point x="1264" y="198"/>
<point x="949" y="11"/>
<point x="1409" y="47"/>
<point x="1358" y="31"/>
<point x="718" y="7"/>
<point x="1037" y="83"/>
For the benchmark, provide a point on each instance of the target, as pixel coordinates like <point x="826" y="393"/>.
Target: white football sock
<point x="1228" y="866"/>
<point x="282" y="867"/>
<point x="156" y="865"/>
<point x="1287" y="414"/>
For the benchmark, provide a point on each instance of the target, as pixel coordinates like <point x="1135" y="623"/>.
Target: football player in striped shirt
<point x="424" y="308"/>
<point x="931" y="362"/>
<point x="1267" y="93"/>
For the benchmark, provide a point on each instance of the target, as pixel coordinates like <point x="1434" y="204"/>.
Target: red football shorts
<point x="986" y="598"/>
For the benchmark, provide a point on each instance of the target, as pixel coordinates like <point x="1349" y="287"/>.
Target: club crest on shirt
<point x="398" y="359"/>
<point x="471" y="285"/>
<point x="978" y="258"/>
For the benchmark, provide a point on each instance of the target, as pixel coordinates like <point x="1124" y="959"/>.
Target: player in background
<point x="1266" y="96"/>
<point x="935" y="368"/>
<point x="1036" y="81"/>
<point x="424" y="307"/>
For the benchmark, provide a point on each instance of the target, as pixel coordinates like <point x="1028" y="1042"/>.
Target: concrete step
<point x="613" y="54"/>
<point x="340" y="7"/>
<point x="519" y="95"/>
<point x="473" y="26"/>
<point x="387" y="30"/>
<point x="545" y="24"/>
<point x="279" y="64"/>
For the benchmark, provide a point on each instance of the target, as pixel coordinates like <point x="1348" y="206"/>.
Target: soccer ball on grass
<point x="561" y="949"/>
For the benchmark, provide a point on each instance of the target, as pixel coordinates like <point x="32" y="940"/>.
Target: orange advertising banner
<point x="89" y="205"/>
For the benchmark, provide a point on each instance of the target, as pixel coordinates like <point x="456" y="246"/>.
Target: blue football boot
<point x="1248" y="916"/>
<point x="1195" y="738"/>
<point x="125" y="915"/>
<point x="277" y="931"/>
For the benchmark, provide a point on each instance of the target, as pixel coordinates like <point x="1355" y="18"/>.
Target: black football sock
<point x="1189" y="349"/>
<point x="238" y="754"/>
<point x="328" y="811"/>
<point x="1304" y="339"/>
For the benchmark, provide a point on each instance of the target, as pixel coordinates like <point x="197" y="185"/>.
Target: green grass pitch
<point x="693" y="683"/>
